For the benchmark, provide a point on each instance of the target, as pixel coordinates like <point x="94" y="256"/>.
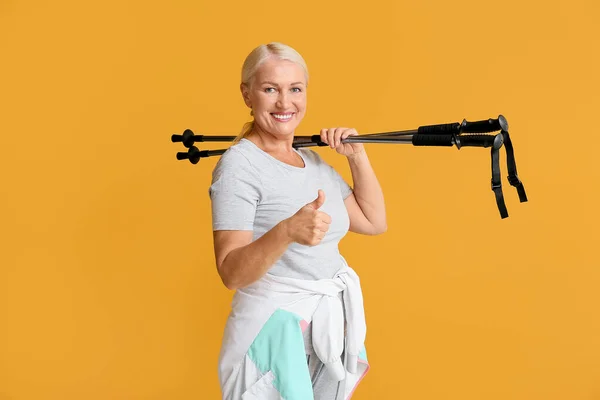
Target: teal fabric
<point x="363" y="354"/>
<point x="279" y="347"/>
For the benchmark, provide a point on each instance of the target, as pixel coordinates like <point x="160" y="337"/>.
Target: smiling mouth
<point x="283" y="117"/>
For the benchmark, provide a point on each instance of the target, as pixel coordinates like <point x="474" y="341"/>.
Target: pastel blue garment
<point x="263" y="355"/>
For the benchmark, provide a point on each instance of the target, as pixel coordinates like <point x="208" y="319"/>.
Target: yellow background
<point x="108" y="288"/>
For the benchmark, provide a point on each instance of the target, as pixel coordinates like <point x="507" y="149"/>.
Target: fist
<point x="309" y="225"/>
<point x="334" y="136"/>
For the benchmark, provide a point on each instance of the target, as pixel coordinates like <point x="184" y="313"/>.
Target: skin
<point x="241" y="261"/>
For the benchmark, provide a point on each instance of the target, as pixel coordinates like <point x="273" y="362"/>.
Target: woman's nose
<point x="283" y="100"/>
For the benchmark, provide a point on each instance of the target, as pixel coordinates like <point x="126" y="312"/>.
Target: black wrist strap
<point x="513" y="178"/>
<point x="511" y="164"/>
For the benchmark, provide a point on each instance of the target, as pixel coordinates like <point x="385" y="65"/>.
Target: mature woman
<point x="297" y="327"/>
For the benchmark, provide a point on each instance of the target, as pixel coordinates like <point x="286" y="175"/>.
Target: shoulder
<point x="235" y="161"/>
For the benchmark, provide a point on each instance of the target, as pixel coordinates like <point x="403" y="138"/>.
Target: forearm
<point x="367" y="190"/>
<point x="247" y="264"/>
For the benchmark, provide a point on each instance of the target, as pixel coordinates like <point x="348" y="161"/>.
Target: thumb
<point x="318" y="202"/>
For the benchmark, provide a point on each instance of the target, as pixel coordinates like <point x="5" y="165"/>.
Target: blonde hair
<point x="256" y="57"/>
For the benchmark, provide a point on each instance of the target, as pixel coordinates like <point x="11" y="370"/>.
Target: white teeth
<point x="283" y="116"/>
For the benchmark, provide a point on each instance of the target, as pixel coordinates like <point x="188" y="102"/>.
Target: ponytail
<point x="246" y="129"/>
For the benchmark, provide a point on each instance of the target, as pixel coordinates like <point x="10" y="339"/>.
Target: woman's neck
<point x="271" y="144"/>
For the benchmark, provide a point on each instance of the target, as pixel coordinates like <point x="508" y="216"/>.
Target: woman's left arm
<point x="367" y="197"/>
<point x="366" y="206"/>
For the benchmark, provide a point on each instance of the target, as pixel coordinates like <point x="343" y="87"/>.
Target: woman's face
<point x="277" y="96"/>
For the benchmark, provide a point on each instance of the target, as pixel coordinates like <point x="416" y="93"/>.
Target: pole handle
<point x="484" y="126"/>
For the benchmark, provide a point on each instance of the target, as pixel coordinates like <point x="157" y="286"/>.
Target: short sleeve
<point x="344" y="187"/>
<point x="234" y="193"/>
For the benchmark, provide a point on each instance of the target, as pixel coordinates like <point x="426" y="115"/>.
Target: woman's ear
<point x="245" y="94"/>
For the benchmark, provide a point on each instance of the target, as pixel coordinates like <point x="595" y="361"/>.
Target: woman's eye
<point x="295" y="90"/>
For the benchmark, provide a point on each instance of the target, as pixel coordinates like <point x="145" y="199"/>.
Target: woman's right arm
<point x="240" y="261"/>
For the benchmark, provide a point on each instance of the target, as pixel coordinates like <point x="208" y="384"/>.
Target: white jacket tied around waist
<point x="266" y="324"/>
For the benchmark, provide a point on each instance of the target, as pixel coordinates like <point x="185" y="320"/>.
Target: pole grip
<point x="495" y="141"/>
<point x="432" y="139"/>
<point x="440" y="129"/>
<point x="484" y="126"/>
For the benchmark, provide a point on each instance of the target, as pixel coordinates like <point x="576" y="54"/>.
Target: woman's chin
<point x="284" y="130"/>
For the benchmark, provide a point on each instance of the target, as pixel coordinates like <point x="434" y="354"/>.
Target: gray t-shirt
<point x="252" y="190"/>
